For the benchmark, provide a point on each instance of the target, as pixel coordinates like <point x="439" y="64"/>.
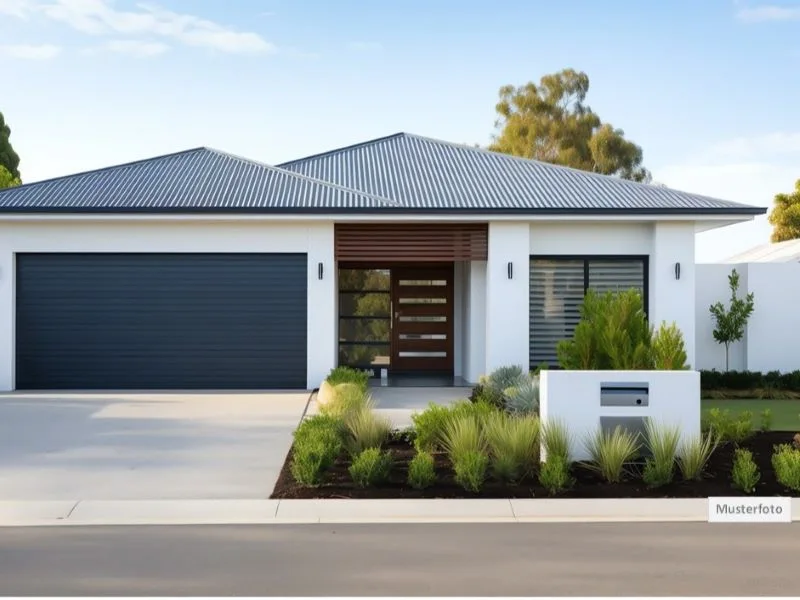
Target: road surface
<point x="603" y="559"/>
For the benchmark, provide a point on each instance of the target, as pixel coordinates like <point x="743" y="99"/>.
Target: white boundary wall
<point x="573" y="398"/>
<point x="772" y="337"/>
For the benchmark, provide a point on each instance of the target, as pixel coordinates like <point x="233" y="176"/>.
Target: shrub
<point x="348" y="375"/>
<point x="610" y="451"/>
<point x="371" y="467"/>
<point x="786" y="462"/>
<point x="463" y="435"/>
<point x="662" y="444"/>
<point x="514" y="445"/>
<point x="347" y="398"/>
<point x="766" y="420"/>
<point x="556" y="440"/>
<point x="668" y="350"/>
<point x="523" y="399"/>
<point x="470" y="470"/>
<point x="554" y="475"/>
<point x="486" y="394"/>
<point x="421" y="472"/>
<point x="365" y="429"/>
<point x="480" y="411"/>
<point x="728" y="428"/>
<point x="694" y="455"/>
<point x="317" y="443"/>
<point x="429" y="426"/>
<point x="750" y="380"/>
<point x="505" y="377"/>
<point x="796" y="441"/>
<point x="745" y="473"/>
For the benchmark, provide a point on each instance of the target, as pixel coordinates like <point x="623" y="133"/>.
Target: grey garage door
<point x="161" y="321"/>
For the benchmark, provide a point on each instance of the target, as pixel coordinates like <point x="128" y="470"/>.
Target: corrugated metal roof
<point x="788" y="251"/>
<point x="201" y="179"/>
<point x="425" y="174"/>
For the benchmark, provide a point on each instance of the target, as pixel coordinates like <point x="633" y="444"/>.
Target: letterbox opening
<point x="624" y="394"/>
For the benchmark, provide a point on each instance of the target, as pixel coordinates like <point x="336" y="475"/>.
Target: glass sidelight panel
<point x="364" y="330"/>
<point x="371" y="304"/>
<point x="364" y="317"/>
<point x="364" y="355"/>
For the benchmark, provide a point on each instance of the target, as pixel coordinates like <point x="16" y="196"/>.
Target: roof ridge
<point x="306" y="177"/>
<point x="343" y="148"/>
<point x="109" y="168"/>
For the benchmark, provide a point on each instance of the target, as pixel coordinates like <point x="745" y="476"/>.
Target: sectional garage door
<point x="161" y="321"/>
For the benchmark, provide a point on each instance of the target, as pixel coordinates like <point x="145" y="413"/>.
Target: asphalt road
<point x="403" y="560"/>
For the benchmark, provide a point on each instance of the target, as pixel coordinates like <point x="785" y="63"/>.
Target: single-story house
<point x="203" y="270"/>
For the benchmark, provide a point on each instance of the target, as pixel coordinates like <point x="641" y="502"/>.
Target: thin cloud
<point x="30" y="51"/>
<point x="758" y="147"/>
<point x="137" y="48"/>
<point x="101" y="18"/>
<point x="16" y="8"/>
<point x="760" y="14"/>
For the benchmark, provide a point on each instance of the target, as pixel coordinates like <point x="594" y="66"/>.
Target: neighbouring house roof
<point x="427" y="175"/>
<point x="788" y="251"/>
<point x="194" y="180"/>
<point x="398" y="174"/>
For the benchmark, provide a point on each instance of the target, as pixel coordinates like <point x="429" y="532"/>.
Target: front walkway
<point x="125" y="446"/>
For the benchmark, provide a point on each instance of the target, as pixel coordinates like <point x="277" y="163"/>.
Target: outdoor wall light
<point x="677" y="270"/>
<point x="511" y="270"/>
<point x="319" y="270"/>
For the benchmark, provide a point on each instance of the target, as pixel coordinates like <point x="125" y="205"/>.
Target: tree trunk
<point x="727" y="348"/>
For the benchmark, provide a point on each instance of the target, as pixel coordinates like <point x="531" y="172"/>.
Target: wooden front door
<point x="422" y="319"/>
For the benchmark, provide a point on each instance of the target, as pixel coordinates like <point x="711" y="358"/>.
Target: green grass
<point x="785" y="413"/>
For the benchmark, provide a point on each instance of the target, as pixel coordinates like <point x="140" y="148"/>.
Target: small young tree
<point x="730" y="322"/>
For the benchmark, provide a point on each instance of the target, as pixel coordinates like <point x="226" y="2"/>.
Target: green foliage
<point x="694" y="455"/>
<point x="785" y="216"/>
<point x="730" y="323"/>
<point x="550" y="122"/>
<point x="556" y="440"/>
<point x="463" y="434"/>
<point x="554" y="475"/>
<point x="470" y="470"/>
<point x="484" y="393"/>
<point x="505" y="377"/>
<point x="662" y="444"/>
<point x="429" y="426"/>
<point x="749" y="380"/>
<point x="523" y="399"/>
<point x="347" y="398"/>
<point x="317" y="443"/>
<point x="766" y="420"/>
<point x="348" y="375"/>
<point x="668" y="349"/>
<point x="9" y="159"/>
<point x="611" y="451"/>
<point x="478" y="410"/>
<point x="365" y="429"/>
<point x="729" y="428"/>
<point x="7" y="180"/>
<point x="786" y="463"/>
<point x="514" y="445"/>
<point x="371" y="467"/>
<point x="745" y="473"/>
<point x="613" y="333"/>
<point x="421" y="472"/>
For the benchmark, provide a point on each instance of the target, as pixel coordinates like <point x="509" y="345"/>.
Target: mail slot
<point x="624" y="394"/>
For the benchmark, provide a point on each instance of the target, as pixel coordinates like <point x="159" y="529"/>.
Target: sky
<point x="707" y="88"/>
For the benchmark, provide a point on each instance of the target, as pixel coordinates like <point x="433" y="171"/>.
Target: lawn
<point x="785" y="413"/>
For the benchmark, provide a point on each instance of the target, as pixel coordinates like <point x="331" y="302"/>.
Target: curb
<point x="286" y="512"/>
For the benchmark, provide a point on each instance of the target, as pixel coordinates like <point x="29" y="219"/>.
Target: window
<point x="364" y="318"/>
<point x="557" y="287"/>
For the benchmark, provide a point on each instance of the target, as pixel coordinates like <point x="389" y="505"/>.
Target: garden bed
<point x="337" y="482"/>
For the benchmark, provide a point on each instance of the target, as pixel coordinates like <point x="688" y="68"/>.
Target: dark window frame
<point x="587" y="259"/>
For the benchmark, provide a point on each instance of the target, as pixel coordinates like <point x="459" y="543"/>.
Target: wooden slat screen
<point x="411" y="242"/>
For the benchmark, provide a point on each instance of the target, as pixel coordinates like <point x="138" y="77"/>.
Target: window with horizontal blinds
<point x="557" y="288"/>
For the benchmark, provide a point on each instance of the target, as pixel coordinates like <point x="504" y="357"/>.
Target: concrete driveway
<point x="121" y="446"/>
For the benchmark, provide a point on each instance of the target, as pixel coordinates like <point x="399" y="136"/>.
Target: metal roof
<point x="788" y="251"/>
<point x="424" y="174"/>
<point x="194" y="180"/>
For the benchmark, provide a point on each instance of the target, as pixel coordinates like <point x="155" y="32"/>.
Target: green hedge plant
<point x="317" y="444"/>
<point x="745" y="473"/>
<point x="786" y="463"/>
<point x="348" y="375"/>
<point x="371" y="467"/>
<point x="554" y="475"/>
<point x="421" y="471"/>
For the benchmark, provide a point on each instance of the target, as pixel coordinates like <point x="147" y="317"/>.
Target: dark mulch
<point x="717" y="481"/>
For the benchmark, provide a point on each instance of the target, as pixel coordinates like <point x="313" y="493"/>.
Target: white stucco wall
<point x="507" y="299"/>
<point x="771" y="341"/>
<point x="673" y="299"/>
<point x="315" y="239"/>
<point x="573" y="398"/>
<point x="475" y="331"/>
<point x="575" y="238"/>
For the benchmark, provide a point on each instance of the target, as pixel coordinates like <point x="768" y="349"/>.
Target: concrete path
<point x="399" y="403"/>
<point x="674" y="559"/>
<point x="121" y="446"/>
